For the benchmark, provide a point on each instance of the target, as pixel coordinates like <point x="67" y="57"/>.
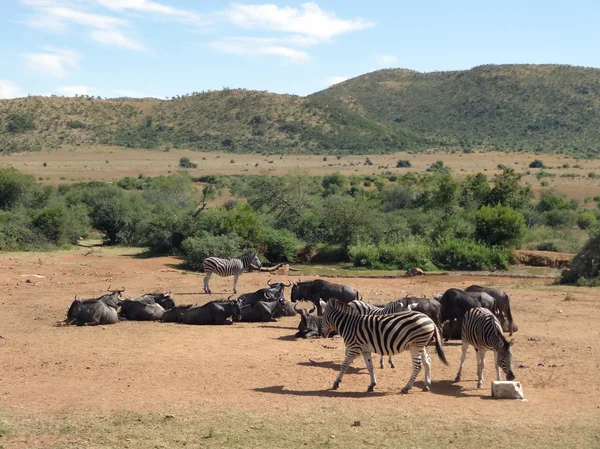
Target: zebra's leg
<point x="480" y="366"/>
<point x="235" y="279"/>
<point x="350" y="356"/>
<point x="416" y="369"/>
<point x="465" y="346"/>
<point x="392" y="365"/>
<point x="427" y="363"/>
<point x="382" y="362"/>
<point x="206" y="279"/>
<point x="369" y="363"/>
<point x="497" y="365"/>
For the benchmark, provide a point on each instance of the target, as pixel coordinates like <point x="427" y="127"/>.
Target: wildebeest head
<point x="297" y="291"/>
<point x="114" y="299"/>
<point x="505" y="359"/>
<point x="74" y="310"/>
<point x="236" y="308"/>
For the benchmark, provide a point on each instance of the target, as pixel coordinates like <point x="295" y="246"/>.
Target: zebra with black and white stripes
<point x="482" y="330"/>
<point x="383" y="334"/>
<point x="228" y="267"/>
<point x="364" y="308"/>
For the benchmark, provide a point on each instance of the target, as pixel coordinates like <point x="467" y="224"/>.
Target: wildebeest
<point x="92" y="312"/>
<point x="275" y="292"/>
<point x="175" y="314"/>
<point x="455" y="303"/>
<point x="214" y="312"/>
<point x="288" y="308"/>
<point x="318" y="290"/>
<point x="135" y="310"/>
<point x="310" y="325"/>
<point x="163" y="299"/>
<point x="428" y="306"/>
<point x="262" y="311"/>
<point x="502" y="312"/>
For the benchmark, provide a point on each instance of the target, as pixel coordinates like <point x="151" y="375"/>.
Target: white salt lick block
<point x="504" y="389"/>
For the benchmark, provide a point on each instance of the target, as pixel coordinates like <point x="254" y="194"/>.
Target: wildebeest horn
<point x="229" y="299"/>
<point x="269" y="282"/>
<point x="297" y="311"/>
<point x="312" y="310"/>
<point x="289" y="284"/>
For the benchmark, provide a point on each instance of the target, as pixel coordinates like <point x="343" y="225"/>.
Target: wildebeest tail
<point x="438" y="345"/>
<point x="508" y="312"/>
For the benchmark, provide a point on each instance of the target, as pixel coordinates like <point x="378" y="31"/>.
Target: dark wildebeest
<point x="262" y="311"/>
<point x="162" y="299"/>
<point x="135" y="310"/>
<point x="318" y="290"/>
<point x="502" y="311"/>
<point x="428" y="306"/>
<point x="289" y="308"/>
<point x="310" y="325"/>
<point x="175" y="314"/>
<point x="92" y="312"/>
<point x="214" y="312"/>
<point x="275" y="292"/>
<point x="455" y="303"/>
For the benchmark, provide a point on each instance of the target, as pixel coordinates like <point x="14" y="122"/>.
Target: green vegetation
<point x="585" y="266"/>
<point x="541" y="108"/>
<point x="185" y="162"/>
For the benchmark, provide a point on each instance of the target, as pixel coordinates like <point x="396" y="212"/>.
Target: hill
<point x="545" y="108"/>
<point x="548" y="108"/>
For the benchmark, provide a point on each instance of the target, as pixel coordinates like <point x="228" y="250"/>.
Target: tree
<point x="474" y="191"/>
<point x="586" y="264"/>
<point x="499" y="225"/>
<point x="185" y="162"/>
<point x="14" y="187"/>
<point x="536" y="164"/>
<point x="403" y="163"/>
<point x="508" y="191"/>
<point x="586" y="219"/>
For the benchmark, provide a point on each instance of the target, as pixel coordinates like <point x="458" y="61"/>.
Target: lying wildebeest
<point x="92" y="312"/>
<point x="162" y="299"/>
<point x="502" y="311"/>
<point x="288" y="308"/>
<point x="318" y="290"/>
<point x="135" y="310"/>
<point x="275" y="292"/>
<point x="175" y="314"/>
<point x="214" y="312"/>
<point x="310" y="325"/>
<point x="455" y="303"/>
<point x="262" y="311"/>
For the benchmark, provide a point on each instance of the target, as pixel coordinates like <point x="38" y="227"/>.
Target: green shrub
<point x="18" y="233"/>
<point x="403" y="163"/>
<point x="185" y="162"/>
<point x="499" y="225"/>
<point x="462" y="254"/>
<point x="61" y="224"/>
<point x="395" y="256"/>
<point x="585" y="266"/>
<point x="196" y="249"/>
<point x="281" y="245"/>
<point x="552" y="201"/>
<point x="437" y="167"/>
<point x="15" y="187"/>
<point x="19" y="123"/>
<point x="586" y="219"/>
<point x="560" y="218"/>
<point x="536" y="164"/>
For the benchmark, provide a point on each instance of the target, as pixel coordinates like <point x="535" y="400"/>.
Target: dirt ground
<point x="49" y="371"/>
<point x="111" y="163"/>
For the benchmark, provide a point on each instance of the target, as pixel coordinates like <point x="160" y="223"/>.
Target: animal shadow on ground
<point x="331" y="365"/>
<point x="280" y="389"/>
<point x="446" y="388"/>
<point x="266" y="326"/>
<point x="287" y="338"/>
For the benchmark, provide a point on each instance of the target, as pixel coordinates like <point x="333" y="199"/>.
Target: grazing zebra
<point x="383" y="334"/>
<point x="368" y="309"/>
<point x="482" y="329"/>
<point x="228" y="267"/>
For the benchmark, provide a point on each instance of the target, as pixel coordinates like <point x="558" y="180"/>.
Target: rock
<point x="523" y="366"/>
<point x="414" y="272"/>
<point x="533" y="339"/>
<point x="356" y="424"/>
<point x="504" y="389"/>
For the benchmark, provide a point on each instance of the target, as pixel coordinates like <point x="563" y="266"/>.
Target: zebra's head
<point x="505" y="359"/>
<point x="254" y="260"/>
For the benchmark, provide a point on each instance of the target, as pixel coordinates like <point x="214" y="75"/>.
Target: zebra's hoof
<point x="335" y="386"/>
<point x="381" y="365"/>
<point x="404" y="391"/>
<point x="479" y="384"/>
<point x="426" y="388"/>
<point x="457" y="379"/>
<point x="370" y="389"/>
<point x="392" y="365"/>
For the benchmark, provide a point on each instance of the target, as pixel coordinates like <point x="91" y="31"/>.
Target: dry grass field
<point x="106" y="163"/>
<point x="154" y="385"/>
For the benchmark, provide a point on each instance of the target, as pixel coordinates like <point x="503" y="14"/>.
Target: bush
<point x="196" y="249"/>
<point x="185" y="162"/>
<point x="19" y="123"/>
<point x="499" y="225"/>
<point x="15" y="187"/>
<point x="403" y="163"/>
<point x="392" y="256"/>
<point x="585" y="266"/>
<point x="552" y="201"/>
<point x="281" y="245"/>
<point x="536" y="164"/>
<point x="586" y="219"/>
<point x="438" y="166"/>
<point x="560" y="218"/>
<point x="61" y="225"/>
<point x="462" y="254"/>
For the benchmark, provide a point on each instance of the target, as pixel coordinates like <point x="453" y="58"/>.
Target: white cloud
<point x="388" y="60"/>
<point x="53" y="62"/>
<point x="310" y="21"/>
<point x="114" y="38"/>
<point x="336" y="79"/>
<point x="248" y="46"/>
<point x="8" y="89"/>
<point x="155" y="8"/>
<point x="71" y="91"/>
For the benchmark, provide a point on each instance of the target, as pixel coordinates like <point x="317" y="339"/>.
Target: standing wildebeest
<point x="482" y="330"/>
<point x="214" y="312"/>
<point x="455" y="304"/>
<point x="262" y="311"/>
<point x="502" y="305"/>
<point x="310" y="325"/>
<point x="92" y="312"/>
<point x="175" y="314"/>
<point x="228" y="267"/>
<point x="428" y="306"/>
<point x="385" y="335"/>
<point x="318" y="290"/>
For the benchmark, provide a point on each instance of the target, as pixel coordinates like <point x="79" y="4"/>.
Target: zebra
<point x="364" y="308"/>
<point x="383" y="334"/>
<point x="228" y="267"/>
<point x="482" y="330"/>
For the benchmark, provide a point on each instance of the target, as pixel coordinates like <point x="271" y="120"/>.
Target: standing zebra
<point x="228" y="267"/>
<point x="482" y="329"/>
<point x="386" y="335"/>
<point x="368" y="309"/>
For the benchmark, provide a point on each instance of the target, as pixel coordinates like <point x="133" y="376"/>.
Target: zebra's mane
<point x="338" y="305"/>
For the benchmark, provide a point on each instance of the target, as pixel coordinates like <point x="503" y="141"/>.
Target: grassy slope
<point x="547" y="108"/>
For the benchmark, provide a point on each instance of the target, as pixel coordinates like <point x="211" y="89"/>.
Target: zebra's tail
<point x="438" y="345"/>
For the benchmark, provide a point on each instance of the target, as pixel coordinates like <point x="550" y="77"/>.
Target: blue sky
<point x="167" y="47"/>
